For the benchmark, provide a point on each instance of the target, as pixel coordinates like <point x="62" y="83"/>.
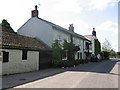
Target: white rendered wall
<point x="1" y="54"/>
<point x="60" y="35"/>
<point x="93" y="48"/>
<point x="17" y="65"/>
<point x="38" y="29"/>
<point x="79" y="42"/>
<point x="83" y="54"/>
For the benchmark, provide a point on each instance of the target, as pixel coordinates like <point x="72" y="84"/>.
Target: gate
<point x="45" y="59"/>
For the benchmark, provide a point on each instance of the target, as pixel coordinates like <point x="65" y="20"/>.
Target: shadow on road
<point x="99" y="67"/>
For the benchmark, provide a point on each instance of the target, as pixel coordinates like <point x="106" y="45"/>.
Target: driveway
<point x="92" y="75"/>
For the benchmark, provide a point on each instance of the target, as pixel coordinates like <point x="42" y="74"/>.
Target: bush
<point x="105" y="54"/>
<point x="68" y="63"/>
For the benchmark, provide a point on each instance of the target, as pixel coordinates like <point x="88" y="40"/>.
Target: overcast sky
<point x="83" y="14"/>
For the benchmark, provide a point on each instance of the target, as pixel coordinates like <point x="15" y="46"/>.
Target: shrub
<point x="56" y="54"/>
<point x="105" y="54"/>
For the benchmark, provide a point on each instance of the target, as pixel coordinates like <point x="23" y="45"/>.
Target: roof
<point x="90" y="37"/>
<point x="15" y="41"/>
<point x="59" y="28"/>
<point x="63" y="29"/>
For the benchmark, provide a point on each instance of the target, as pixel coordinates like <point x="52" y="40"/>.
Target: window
<point x="24" y="55"/>
<point x="5" y="56"/>
<point x="78" y="55"/>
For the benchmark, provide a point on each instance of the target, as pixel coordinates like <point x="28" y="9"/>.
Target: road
<point x="93" y="75"/>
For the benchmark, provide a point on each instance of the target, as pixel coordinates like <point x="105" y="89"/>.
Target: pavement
<point x="92" y="75"/>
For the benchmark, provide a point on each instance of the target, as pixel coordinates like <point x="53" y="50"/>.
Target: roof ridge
<point x="63" y="29"/>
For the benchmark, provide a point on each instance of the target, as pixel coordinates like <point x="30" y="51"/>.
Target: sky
<point x="83" y="14"/>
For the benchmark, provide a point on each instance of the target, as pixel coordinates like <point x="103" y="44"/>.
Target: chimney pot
<point x="34" y="12"/>
<point x="71" y="28"/>
<point x="35" y="7"/>
<point x="94" y="32"/>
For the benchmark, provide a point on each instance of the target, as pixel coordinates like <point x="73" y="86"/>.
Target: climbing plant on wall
<point x="56" y="53"/>
<point x="70" y="47"/>
<point x="97" y="47"/>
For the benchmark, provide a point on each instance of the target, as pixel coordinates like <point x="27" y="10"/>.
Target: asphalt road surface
<point x="93" y="75"/>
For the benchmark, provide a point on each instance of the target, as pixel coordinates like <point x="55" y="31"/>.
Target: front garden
<point x="64" y="55"/>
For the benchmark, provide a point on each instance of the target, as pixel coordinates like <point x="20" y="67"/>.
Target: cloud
<point x="68" y="6"/>
<point x="109" y="30"/>
<point x="82" y="27"/>
<point x="108" y="26"/>
<point x="101" y="4"/>
<point x="62" y="6"/>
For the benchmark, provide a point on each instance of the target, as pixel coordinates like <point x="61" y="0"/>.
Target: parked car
<point x="94" y="58"/>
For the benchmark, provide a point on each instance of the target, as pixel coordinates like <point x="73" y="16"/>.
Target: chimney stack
<point x="94" y="32"/>
<point x="35" y="12"/>
<point x="71" y="28"/>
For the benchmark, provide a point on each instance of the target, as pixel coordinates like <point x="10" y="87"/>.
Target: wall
<point x="59" y="35"/>
<point x="38" y="29"/>
<point x="17" y="65"/>
<point x="79" y="42"/>
<point x="0" y="54"/>
<point x="0" y="62"/>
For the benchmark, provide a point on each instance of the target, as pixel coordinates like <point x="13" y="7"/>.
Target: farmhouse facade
<point x="48" y="32"/>
<point x="95" y="46"/>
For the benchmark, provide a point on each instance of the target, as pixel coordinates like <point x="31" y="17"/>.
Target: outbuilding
<point x="21" y="54"/>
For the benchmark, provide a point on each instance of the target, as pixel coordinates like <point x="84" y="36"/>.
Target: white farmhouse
<point x="48" y="32"/>
<point x="19" y="53"/>
<point x="95" y="46"/>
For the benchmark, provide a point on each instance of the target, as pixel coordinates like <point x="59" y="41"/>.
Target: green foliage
<point x="113" y="54"/>
<point x="56" y="55"/>
<point x="59" y="50"/>
<point x="70" y="47"/>
<point x="105" y="54"/>
<point x="6" y="26"/>
<point x="104" y="50"/>
<point x="97" y="47"/>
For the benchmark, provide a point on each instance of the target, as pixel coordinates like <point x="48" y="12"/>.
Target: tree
<point x="97" y="47"/>
<point x="56" y="54"/>
<point x="6" y="26"/>
<point x="106" y="45"/>
<point x="118" y="54"/>
<point x="113" y="53"/>
<point x="71" y="48"/>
